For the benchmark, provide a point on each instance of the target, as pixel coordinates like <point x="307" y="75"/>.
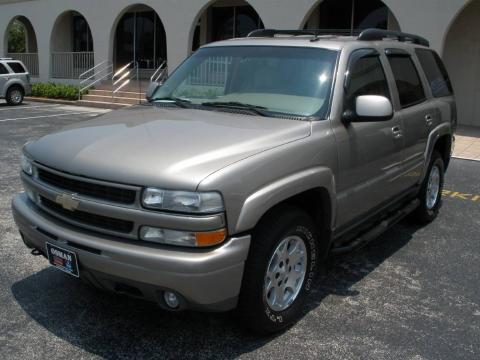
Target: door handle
<point x="397" y="132"/>
<point x="429" y="120"/>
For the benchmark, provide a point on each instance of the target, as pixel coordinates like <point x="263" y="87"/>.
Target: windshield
<point x="287" y="80"/>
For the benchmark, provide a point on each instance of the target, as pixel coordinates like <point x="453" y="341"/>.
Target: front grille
<point x="104" y="192"/>
<point x="99" y="221"/>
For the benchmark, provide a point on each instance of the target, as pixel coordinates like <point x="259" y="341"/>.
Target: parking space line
<point x="49" y="116"/>
<point x="27" y="107"/>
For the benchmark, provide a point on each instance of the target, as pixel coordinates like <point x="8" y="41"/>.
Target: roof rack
<point x="5" y="58"/>
<point x="272" y="32"/>
<point x="378" y="34"/>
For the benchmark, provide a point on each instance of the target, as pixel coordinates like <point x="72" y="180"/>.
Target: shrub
<point x="55" y="91"/>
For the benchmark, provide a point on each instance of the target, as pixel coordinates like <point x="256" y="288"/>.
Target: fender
<point x="262" y="200"/>
<point x="435" y="134"/>
<point x="9" y="83"/>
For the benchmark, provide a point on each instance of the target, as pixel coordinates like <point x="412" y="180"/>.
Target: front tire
<point x="430" y="194"/>
<point x="279" y="272"/>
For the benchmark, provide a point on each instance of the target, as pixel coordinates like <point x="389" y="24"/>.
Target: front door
<point x="370" y="153"/>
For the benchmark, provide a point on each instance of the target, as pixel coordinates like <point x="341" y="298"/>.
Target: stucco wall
<point x="429" y="18"/>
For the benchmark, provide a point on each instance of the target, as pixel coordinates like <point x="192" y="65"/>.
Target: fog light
<point x="171" y="299"/>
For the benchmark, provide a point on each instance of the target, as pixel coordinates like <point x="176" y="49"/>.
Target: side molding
<point x="262" y="200"/>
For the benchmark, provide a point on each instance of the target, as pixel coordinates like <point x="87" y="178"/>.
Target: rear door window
<point x="3" y="70"/>
<point x="17" y="68"/>
<point x="407" y="79"/>
<point x="435" y="72"/>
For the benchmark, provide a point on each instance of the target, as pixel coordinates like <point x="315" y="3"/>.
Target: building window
<point x="235" y="21"/>
<point x="351" y="16"/>
<point x="82" y="36"/>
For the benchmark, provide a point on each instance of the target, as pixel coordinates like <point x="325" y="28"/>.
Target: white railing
<point x="96" y="74"/>
<point x="124" y="76"/>
<point x="70" y="65"/>
<point x="212" y="72"/>
<point x="160" y="74"/>
<point x="30" y="60"/>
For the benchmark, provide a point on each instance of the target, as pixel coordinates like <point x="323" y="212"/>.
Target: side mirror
<point x="152" y="88"/>
<point x="370" y="108"/>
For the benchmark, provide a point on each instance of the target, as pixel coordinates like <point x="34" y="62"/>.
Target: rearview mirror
<point x="152" y="88"/>
<point x="370" y="108"/>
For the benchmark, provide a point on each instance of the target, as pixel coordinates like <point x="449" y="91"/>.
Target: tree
<point x="17" y="37"/>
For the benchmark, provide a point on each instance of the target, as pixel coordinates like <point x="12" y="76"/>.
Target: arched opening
<point x="71" y="46"/>
<point x="140" y="38"/>
<point x="21" y="43"/>
<point x="462" y="59"/>
<point x="225" y="19"/>
<point x="350" y="17"/>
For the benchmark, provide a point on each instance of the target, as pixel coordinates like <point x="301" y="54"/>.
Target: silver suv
<point x="257" y="160"/>
<point x="14" y="81"/>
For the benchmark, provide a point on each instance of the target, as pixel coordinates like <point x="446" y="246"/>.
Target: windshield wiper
<point x="259" y="110"/>
<point x="184" y="103"/>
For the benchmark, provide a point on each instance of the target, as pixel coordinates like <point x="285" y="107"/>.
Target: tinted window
<point x="407" y="79"/>
<point x="435" y="72"/>
<point x="3" y="69"/>
<point x="17" y="67"/>
<point x="366" y="77"/>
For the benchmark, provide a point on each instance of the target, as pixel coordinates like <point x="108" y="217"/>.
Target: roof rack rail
<point x="273" y="32"/>
<point x="378" y="34"/>
<point x="5" y="58"/>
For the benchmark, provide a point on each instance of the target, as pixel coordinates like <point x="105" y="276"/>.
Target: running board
<point x="376" y="231"/>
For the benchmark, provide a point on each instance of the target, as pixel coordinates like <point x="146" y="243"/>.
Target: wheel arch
<point x="312" y="190"/>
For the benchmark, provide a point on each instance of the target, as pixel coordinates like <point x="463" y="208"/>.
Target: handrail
<point x="124" y="76"/>
<point x="161" y="71"/>
<point x="93" y="68"/>
<point x="101" y="71"/>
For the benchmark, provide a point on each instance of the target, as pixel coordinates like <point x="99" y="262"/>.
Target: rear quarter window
<point x="435" y="72"/>
<point x="17" y="68"/>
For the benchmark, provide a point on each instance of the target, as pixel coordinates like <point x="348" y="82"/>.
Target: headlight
<point x="182" y="238"/>
<point x="182" y="201"/>
<point x="26" y="164"/>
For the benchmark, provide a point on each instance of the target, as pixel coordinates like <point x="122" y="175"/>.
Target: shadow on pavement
<point x="114" y="326"/>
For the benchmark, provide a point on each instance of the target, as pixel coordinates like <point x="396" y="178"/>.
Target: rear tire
<point x="15" y="95"/>
<point x="279" y="271"/>
<point x="430" y="194"/>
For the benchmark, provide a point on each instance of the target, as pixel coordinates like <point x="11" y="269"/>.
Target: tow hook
<point x="36" y="252"/>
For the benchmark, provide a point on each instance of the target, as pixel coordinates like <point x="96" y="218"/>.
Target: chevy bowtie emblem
<point x="67" y="201"/>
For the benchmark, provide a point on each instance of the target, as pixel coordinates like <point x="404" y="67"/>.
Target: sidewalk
<point x="467" y="143"/>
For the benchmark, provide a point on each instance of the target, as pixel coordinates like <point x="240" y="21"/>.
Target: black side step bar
<point x="376" y="231"/>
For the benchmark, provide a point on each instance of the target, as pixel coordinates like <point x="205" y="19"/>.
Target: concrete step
<point x="120" y="94"/>
<point x="101" y="104"/>
<point x="114" y="100"/>
<point x="132" y="87"/>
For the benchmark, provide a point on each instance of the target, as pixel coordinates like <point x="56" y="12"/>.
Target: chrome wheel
<point x="433" y="187"/>
<point x="16" y="96"/>
<point x="285" y="273"/>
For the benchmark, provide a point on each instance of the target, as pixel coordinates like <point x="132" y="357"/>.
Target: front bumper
<point x="205" y="279"/>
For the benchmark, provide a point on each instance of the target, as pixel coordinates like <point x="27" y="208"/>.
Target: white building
<point x="67" y="37"/>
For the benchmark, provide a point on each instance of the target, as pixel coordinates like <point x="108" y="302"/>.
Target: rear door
<point x="418" y="114"/>
<point x="370" y="153"/>
<point x="4" y="77"/>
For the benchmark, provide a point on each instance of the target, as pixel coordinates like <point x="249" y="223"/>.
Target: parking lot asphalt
<point x="414" y="293"/>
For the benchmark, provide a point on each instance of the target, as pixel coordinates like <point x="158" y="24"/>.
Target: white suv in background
<point x="14" y="81"/>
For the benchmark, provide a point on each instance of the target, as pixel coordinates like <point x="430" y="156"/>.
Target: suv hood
<point x="171" y="148"/>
